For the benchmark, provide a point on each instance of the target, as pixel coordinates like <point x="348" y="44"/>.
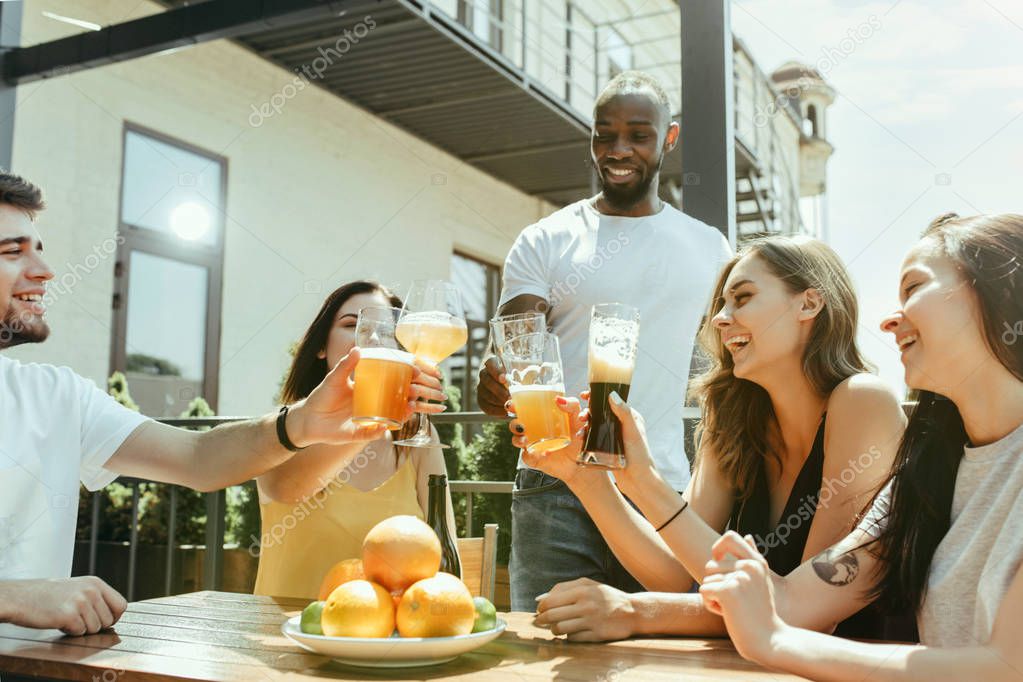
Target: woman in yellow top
<point x="317" y="508"/>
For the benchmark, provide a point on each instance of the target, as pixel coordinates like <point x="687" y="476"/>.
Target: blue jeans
<point x="554" y="540"/>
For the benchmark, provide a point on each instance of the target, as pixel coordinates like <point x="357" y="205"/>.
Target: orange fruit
<point x="440" y="606"/>
<point x="358" y="608"/>
<point x="396" y="595"/>
<point x="400" y="551"/>
<point x="339" y="574"/>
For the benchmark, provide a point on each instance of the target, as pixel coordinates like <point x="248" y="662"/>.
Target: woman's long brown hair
<point x="987" y="251"/>
<point x="738" y="423"/>
<point x="308" y="369"/>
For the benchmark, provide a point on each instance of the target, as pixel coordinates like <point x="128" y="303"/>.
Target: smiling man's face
<point x="631" y="133"/>
<point x="23" y="278"/>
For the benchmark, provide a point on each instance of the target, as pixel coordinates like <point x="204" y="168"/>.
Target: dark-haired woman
<point x="785" y="453"/>
<point x="945" y="539"/>
<point x="317" y="508"/>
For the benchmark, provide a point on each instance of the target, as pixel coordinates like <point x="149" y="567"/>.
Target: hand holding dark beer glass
<point x="614" y="335"/>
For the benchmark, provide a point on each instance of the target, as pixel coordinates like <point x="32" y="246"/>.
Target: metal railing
<point x="216" y="507"/>
<point x="570" y="54"/>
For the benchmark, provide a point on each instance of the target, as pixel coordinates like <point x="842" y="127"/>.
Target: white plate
<point x="390" y="652"/>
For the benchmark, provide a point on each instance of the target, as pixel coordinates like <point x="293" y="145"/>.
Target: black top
<point x="784" y="544"/>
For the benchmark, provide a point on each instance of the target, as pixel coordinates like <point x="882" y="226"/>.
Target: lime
<point x="311" y="618"/>
<point x="486" y="615"/>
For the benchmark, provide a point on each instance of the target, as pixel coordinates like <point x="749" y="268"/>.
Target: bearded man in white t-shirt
<point x="58" y="429"/>
<point x="623" y="245"/>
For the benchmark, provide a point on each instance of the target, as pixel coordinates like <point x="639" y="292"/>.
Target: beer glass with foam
<point x="535" y="380"/>
<point x="507" y="327"/>
<point x="432" y="327"/>
<point x="384" y="373"/>
<point x="614" y="335"/>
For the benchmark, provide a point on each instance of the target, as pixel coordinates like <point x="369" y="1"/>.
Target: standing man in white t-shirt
<point x="623" y="245"/>
<point x="57" y="428"/>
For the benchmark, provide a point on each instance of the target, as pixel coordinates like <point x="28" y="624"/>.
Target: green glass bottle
<point x="437" y="518"/>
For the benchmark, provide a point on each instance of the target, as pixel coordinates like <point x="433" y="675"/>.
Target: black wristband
<point x="282" y="431"/>
<point x="685" y="503"/>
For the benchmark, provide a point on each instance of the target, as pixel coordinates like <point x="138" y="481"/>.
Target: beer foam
<point x="392" y="354"/>
<point x="433" y="317"/>
<point x="612" y="349"/>
<point x="609" y="367"/>
<point x="520" y="388"/>
<point x="543" y="374"/>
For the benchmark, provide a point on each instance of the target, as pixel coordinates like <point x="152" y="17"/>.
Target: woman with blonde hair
<point x="795" y="439"/>
<point x="317" y="508"/>
<point x="944" y="541"/>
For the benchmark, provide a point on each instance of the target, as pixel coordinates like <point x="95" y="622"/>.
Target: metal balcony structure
<point x="505" y="85"/>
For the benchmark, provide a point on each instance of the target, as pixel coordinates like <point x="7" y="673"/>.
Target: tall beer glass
<point x="507" y="327"/>
<point x="535" y="380"/>
<point x="614" y="334"/>
<point x="384" y="372"/>
<point x="432" y="326"/>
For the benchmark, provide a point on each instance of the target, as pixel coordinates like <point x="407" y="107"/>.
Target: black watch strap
<point x="282" y="431"/>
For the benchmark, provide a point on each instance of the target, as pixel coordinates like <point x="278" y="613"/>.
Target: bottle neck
<point x="437" y="511"/>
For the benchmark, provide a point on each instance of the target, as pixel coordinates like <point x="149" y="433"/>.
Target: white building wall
<point x="318" y="195"/>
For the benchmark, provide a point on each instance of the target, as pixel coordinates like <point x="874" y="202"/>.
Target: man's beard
<point x="624" y="198"/>
<point x="16" y="330"/>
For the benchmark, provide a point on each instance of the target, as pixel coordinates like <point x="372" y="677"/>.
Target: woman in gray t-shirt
<point x="945" y="537"/>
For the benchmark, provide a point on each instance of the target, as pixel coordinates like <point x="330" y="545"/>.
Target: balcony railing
<point x="216" y="508"/>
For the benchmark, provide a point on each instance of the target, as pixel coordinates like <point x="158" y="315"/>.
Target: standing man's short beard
<point x="624" y="199"/>
<point x="15" y="331"/>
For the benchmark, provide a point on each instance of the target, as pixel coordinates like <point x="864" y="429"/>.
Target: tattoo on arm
<point x="836" y="568"/>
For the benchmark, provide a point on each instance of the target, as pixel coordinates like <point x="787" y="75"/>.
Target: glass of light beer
<point x="535" y="380"/>
<point x="432" y="326"/>
<point x="507" y="327"/>
<point x="384" y="372"/>
<point x="614" y="335"/>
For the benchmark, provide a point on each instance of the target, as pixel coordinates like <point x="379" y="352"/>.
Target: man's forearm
<point x="668" y="613"/>
<point x="235" y="453"/>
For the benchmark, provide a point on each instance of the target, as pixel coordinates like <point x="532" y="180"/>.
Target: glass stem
<point x="423" y="432"/>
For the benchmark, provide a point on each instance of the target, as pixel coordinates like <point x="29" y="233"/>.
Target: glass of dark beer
<point x="614" y="335"/>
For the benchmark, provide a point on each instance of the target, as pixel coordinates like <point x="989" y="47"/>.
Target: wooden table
<point x="227" y="636"/>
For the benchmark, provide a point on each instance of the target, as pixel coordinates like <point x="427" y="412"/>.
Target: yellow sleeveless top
<point x="301" y="541"/>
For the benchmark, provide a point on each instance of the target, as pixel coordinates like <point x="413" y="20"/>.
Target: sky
<point x="928" y="118"/>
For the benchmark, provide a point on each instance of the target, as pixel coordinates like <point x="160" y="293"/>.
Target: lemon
<point x="486" y="615"/>
<point x="311" y="618"/>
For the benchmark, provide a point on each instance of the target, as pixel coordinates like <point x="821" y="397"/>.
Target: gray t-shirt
<point x="980" y="555"/>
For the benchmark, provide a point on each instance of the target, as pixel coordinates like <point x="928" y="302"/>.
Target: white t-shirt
<point x="56" y="429"/>
<point x="982" y="552"/>
<point x="665" y="265"/>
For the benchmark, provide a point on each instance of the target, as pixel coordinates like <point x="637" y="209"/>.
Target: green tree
<point x="492" y="457"/>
